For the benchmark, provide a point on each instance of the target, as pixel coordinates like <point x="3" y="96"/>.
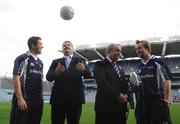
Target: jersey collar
<point x="151" y="57"/>
<point x="33" y="55"/>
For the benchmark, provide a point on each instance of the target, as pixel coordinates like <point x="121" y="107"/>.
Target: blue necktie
<point x="67" y="61"/>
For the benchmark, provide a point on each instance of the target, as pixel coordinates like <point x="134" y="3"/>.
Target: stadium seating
<point x="4" y="96"/>
<point x="128" y="65"/>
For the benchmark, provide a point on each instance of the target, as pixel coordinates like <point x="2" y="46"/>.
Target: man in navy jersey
<point x="155" y="88"/>
<point x="27" y="102"/>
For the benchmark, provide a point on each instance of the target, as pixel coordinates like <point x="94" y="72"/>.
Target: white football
<point x="67" y="12"/>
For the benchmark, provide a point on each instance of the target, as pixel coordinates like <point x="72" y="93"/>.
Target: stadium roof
<point x="160" y="48"/>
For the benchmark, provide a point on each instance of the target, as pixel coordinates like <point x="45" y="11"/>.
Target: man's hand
<point x="17" y="87"/>
<point x="167" y="102"/>
<point x="59" y="69"/>
<point x="122" y="98"/>
<point x="22" y="104"/>
<point x="80" y="66"/>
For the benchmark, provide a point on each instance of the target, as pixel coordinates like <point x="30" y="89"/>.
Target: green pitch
<point x="87" y="116"/>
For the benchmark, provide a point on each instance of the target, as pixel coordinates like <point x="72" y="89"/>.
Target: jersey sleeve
<point x="164" y="70"/>
<point x="20" y="64"/>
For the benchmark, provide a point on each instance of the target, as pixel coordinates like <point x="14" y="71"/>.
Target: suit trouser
<point x="32" y="115"/>
<point x="113" y="117"/>
<point x="71" y="112"/>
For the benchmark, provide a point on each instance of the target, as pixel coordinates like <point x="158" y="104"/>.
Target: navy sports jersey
<point x="31" y="76"/>
<point x="152" y="75"/>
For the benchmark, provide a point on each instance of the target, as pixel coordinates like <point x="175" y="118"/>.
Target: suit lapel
<point x="111" y="68"/>
<point x="62" y="61"/>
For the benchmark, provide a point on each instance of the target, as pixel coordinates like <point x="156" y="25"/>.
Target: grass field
<point x="87" y="116"/>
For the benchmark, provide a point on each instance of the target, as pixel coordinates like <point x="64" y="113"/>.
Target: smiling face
<point x="114" y="52"/>
<point x="67" y="48"/>
<point x="35" y="45"/>
<point x="143" y="49"/>
<point x="38" y="47"/>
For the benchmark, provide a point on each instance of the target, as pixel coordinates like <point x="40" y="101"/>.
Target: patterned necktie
<point x="116" y="68"/>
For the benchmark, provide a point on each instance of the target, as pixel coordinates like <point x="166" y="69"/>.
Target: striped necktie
<point x="116" y="68"/>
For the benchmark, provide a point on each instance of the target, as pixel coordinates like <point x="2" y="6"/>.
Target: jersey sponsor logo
<point x="150" y="67"/>
<point x="31" y="64"/>
<point x="147" y="76"/>
<point x="36" y="72"/>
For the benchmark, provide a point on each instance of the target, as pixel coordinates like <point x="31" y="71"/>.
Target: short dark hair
<point x="33" y="41"/>
<point x="145" y="44"/>
<point x="67" y="41"/>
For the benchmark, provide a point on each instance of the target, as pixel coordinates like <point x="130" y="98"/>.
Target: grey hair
<point x="110" y="47"/>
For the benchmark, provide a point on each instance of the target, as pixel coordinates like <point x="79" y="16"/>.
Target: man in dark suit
<point x="111" y="97"/>
<point x="67" y="94"/>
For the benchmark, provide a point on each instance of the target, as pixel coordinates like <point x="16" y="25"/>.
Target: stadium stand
<point x="167" y="50"/>
<point x="4" y="96"/>
<point x="6" y="83"/>
<point x="175" y="96"/>
<point x="163" y="49"/>
<point x="6" y="89"/>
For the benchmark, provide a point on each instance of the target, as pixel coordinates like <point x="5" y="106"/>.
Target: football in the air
<point x="67" y="12"/>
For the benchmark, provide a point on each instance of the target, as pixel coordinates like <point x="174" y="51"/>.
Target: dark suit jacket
<point x="109" y="87"/>
<point x="68" y="86"/>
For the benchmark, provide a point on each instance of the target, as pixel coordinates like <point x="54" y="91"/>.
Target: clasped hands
<point x="122" y="98"/>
